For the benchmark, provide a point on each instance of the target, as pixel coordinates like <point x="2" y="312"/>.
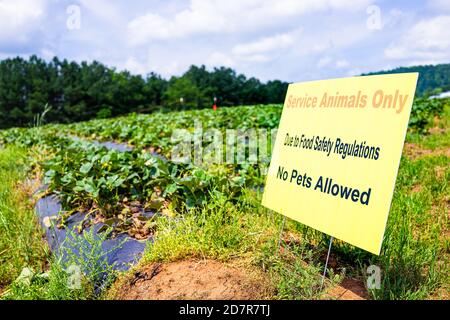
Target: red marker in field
<point x="215" y="104"/>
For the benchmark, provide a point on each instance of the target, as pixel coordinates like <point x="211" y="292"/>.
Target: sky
<point x="291" y="40"/>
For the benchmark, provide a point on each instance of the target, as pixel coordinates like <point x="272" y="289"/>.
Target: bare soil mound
<point x="349" y="289"/>
<point x="196" y="280"/>
<point x="415" y="151"/>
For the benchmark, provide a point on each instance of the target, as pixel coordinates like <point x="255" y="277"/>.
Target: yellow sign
<point x="337" y="153"/>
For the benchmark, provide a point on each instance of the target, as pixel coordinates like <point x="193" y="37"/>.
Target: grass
<point x="71" y="276"/>
<point x="225" y="231"/>
<point x="21" y="242"/>
<point x="215" y="231"/>
<point x="22" y="247"/>
<point x="440" y="133"/>
<point x="414" y="257"/>
<point x="414" y="261"/>
<point x="50" y="285"/>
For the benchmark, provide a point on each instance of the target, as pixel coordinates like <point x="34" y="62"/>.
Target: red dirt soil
<point x="414" y="151"/>
<point x="349" y="289"/>
<point x="195" y="280"/>
<point x="212" y="280"/>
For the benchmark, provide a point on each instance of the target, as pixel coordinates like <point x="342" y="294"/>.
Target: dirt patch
<point x="415" y="151"/>
<point x="440" y="171"/>
<point x="349" y="289"/>
<point x="437" y="126"/>
<point x="437" y="130"/>
<point x="195" y="280"/>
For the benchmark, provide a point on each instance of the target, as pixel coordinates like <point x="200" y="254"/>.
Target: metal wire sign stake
<point x="281" y="233"/>
<point x="328" y="254"/>
<point x="326" y="263"/>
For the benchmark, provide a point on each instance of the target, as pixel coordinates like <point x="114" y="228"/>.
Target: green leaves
<point x="170" y="189"/>
<point x="85" y="168"/>
<point x="88" y="177"/>
<point x="423" y="111"/>
<point x="91" y="178"/>
<point x="49" y="175"/>
<point x="114" y="181"/>
<point x="88" y="186"/>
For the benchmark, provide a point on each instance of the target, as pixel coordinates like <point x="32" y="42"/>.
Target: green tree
<point x="154" y="89"/>
<point x="82" y="91"/>
<point x="275" y="91"/>
<point x="185" y="89"/>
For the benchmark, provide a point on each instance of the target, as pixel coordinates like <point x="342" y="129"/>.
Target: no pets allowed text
<point x="325" y="185"/>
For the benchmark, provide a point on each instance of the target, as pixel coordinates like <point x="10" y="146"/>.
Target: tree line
<point x="433" y="79"/>
<point x="83" y="91"/>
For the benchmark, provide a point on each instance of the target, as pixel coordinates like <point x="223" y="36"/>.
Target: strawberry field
<point x="211" y="209"/>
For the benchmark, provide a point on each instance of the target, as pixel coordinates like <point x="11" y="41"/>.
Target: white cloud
<point x="256" y="58"/>
<point x="149" y="26"/>
<point x="324" y="62"/>
<point x="267" y="44"/>
<point x="259" y="38"/>
<point x="135" y="66"/>
<point x="172" y="68"/>
<point x="47" y="53"/>
<point x="19" y="18"/>
<point x="103" y="9"/>
<point x="441" y="5"/>
<point x="219" y="59"/>
<point x="143" y="65"/>
<point x="426" y="41"/>
<point x="354" y="72"/>
<point x="394" y="17"/>
<point x="260" y="50"/>
<point x="342" y="63"/>
<point x="328" y="61"/>
<point x="225" y="17"/>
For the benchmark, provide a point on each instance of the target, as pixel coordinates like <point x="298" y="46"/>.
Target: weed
<point x="21" y="242"/>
